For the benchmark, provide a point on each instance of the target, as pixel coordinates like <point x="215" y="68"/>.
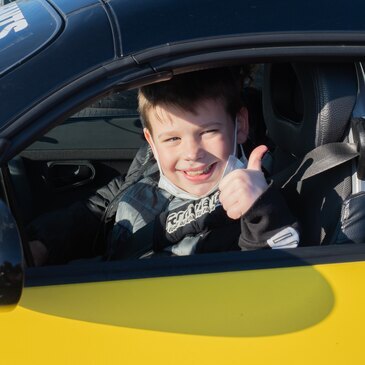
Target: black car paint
<point x="11" y="259"/>
<point x="78" y="49"/>
<point x="96" y="34"/>
<point x="169" y="22"/>
<point x="25" y="30"/>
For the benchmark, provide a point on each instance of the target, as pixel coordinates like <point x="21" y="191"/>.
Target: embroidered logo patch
<point x="192" y="212"/>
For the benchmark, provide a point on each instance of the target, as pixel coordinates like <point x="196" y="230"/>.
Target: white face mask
<point x="233" y="163"/>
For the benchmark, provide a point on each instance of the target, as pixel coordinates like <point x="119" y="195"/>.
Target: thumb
<point x="254" y="162"/>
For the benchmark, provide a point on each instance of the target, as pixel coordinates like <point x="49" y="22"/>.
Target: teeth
<point x="198" y="172"/>
<point x="194" y="173"/>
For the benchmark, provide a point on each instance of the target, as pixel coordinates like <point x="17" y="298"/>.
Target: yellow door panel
<point x="295" y="315"/>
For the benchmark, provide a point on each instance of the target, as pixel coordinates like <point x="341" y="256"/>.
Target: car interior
<point x="294" y="108"/>
<point x="306" y="106"/>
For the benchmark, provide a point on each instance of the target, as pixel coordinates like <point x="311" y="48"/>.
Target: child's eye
<point x="172" y="139"/>
<point x="211" y="131"/>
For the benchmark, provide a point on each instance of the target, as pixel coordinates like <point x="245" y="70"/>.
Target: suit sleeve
<point x="269" y="223"/>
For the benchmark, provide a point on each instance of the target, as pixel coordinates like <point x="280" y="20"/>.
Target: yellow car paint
<point x="298" y="315"/>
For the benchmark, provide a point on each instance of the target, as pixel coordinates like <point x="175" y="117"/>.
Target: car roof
<point x="139" y="25"/>
<point x="66" y="40"/>
<point x="146" y="24"/>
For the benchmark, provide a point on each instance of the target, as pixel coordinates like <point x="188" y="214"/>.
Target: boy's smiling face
<point x="193" y="148"/>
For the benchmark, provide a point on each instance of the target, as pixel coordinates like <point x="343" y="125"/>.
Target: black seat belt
<point x="328" y="156"/>
<point x="315" y="162"/>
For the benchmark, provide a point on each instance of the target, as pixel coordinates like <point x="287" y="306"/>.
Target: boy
<point x="196" y="204"/>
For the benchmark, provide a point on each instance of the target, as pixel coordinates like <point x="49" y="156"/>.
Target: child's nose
<point x="193" y="150"/>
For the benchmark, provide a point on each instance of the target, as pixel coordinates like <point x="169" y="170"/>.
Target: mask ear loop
<point x="235" y="138"/>
<point x="243" y="156"/>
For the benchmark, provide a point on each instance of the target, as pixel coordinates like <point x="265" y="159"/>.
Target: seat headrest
<point x="306" y="105"/>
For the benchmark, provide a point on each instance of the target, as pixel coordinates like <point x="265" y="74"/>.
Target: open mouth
<point x="200" y="173"/>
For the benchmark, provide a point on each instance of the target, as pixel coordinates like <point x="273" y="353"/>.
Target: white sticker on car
<point x="286" y="238"/>
<point x="11" y="18"/>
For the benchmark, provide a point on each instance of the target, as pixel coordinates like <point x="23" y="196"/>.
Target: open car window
<point x="64" y="171"/>
<point x="63" y="174"/>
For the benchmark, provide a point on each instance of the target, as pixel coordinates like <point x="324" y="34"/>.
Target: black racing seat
<point x="308" y="105"/>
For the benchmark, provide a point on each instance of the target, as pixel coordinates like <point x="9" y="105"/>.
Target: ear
<point x="149" y="139"/>
<point x="242" y="125"/>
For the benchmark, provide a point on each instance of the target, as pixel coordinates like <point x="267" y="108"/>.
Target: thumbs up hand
<point x="240" y="188"/>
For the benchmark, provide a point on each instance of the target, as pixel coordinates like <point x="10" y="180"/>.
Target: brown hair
<point x="186" y="90"/>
